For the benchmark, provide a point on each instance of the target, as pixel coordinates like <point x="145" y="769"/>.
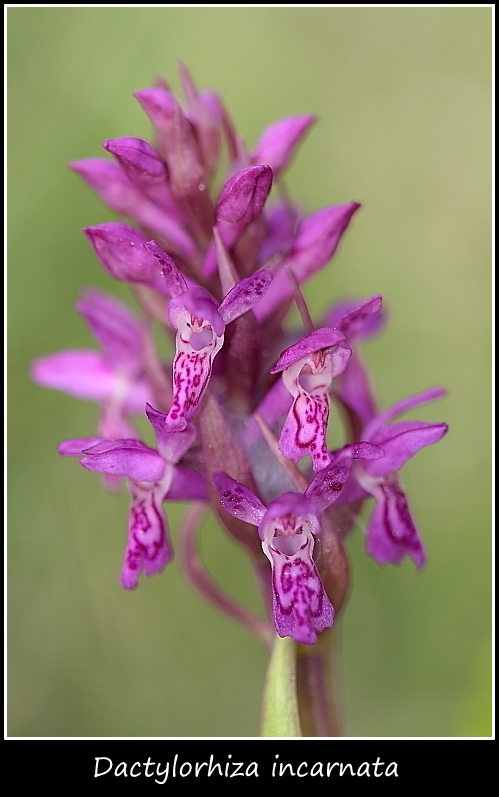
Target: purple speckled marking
<point x="304" y="431"/>
<point x="399" y="523"/>
<point x="147" y="547"/>
<point x="191" y="374"/>
<point x="391" y="533"/>
<point x="301" y="607"/>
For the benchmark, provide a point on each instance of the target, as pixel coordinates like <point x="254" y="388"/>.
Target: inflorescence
<point x="240" y="417"/>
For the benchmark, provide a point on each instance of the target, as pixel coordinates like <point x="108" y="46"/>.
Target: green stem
<point x="319" y="686"/>
<point x="280" y="714"/>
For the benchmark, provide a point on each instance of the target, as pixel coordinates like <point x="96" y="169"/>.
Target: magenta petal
<point x="326" y="485"/>
<point x="280" y="222"/>
<point x="242" y="198"/>
<point x="125" y="458"/>
<point x="278" y="142"/>
<point x="317" y="238"/>
<point x="159" y="104"/>
<point x="347" y="311"/>
<point x="106" y="445"/>
<point x="120" y="250"/>
<point x="187" y="485"/>
<point x="109" y="181"/>
<point x="171" y="445"/>
<point x="391" y="533"/>
<point x="361" y="450"/>
<point x="301" y="606"/>
<point x="237" y="500"/>
<point x="244" y="295"/>
<point x="76" y="447"/>
<point x="115" y="327"/>
<point x="139" y="393"/>
<point x="78" y="372"/>
<point x="354" y="390"/>
<point x="148" y="548"/>
<point x="174" y="280"/>
<point x="318" y="340"/>
<point x="140" y="161"/>
<point x="400" y="407"/>
<point x="115" y="189"/>
<point x="400" y="442"/>
<point x="144" y="168"/>
<point x="355" y="320"/>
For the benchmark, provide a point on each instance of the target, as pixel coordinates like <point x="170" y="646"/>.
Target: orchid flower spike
<point x="212" y="238"/>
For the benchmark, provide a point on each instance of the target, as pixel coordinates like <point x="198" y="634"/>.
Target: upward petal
<point x="175" y="282"/>
<point x="141" y="163"/>
<point x="243" y="196"/>
<point x="326" y="485"/>
<point x="278" y="142"/>
<point x="244" y="295"/>
<point x="400" y="407"/>
<point x="316" y="240"/>
<point x="320" y="339"/>
<point x="357" y="321"/>
<point x="342" y="313"/>
<point x="237" y="500"/>
<point x="121" y="251"/>
<point x="400" y="442"/>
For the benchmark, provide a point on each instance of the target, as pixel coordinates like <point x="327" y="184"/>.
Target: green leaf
<point x="280" y="703"/>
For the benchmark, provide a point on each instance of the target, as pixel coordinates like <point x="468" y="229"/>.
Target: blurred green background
<point x="404" y="100"/>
